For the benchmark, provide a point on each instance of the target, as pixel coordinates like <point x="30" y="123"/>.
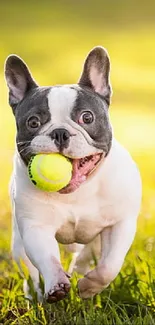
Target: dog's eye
<point x="86" y="118"/>
<point x="33" y="122"/>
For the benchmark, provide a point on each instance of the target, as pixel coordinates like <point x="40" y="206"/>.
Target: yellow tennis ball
<point x="50" y="172"/>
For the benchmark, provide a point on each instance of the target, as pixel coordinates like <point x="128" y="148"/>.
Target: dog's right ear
<point x="18" y="78"/>
<point x="95" y="74"/>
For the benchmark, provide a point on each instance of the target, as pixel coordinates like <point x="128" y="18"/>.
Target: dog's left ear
<point x="95" y="74"/>
<point x="18" y="78"/>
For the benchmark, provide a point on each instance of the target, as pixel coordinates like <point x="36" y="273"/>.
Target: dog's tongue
<point x="81" y="168"/>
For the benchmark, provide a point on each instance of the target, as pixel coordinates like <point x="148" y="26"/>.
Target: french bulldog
<point x="96" y="213"/>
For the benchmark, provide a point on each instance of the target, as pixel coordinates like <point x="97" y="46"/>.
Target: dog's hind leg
<point x="76" y="250"/>
<point x="83" y="255"/>
<point x="20" y="256"/>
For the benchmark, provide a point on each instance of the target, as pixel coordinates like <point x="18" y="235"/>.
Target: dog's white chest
<point x="82" y="226"/>
<point x="81" y="233"/>
<point x="84" y="221"/>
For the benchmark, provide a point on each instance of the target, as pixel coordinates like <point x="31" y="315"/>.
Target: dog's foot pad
<point x="59" y="292"/>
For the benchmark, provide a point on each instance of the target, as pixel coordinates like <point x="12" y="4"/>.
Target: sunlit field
<point x="54" y="39"/>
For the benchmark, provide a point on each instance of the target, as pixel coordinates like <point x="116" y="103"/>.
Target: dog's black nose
<point x="61" y="137"/>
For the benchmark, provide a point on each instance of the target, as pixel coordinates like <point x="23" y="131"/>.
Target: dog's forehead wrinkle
<point x="36" y="98"/>
<point x="87" y="100"/>
<point x="93" y="96"/>
<point x="61" y="100"/>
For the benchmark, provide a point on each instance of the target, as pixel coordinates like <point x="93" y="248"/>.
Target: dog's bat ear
<point x="18" y="78"/>
<point x="95" y="74"/>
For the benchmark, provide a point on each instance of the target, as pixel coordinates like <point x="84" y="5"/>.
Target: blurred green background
<point x="53" y="37"/>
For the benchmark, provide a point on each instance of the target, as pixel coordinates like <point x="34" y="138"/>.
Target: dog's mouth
<point x="82" y="168"/>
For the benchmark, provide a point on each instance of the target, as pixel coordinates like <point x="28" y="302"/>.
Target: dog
<point x="96" y="213"/>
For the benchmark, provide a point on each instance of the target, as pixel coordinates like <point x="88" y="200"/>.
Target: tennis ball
<point x="50" y="172"/>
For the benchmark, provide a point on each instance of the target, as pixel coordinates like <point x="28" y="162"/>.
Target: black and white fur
<point x="101" y="215"/>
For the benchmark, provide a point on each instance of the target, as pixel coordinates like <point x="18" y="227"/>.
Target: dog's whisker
<point x="23" y="142"/>
<point x="27" y="150"/>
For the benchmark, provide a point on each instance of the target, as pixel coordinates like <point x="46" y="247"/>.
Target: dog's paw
<point x="87" y="288"/>
<point x="59" y="292"/>
<point x="92" y="284"/>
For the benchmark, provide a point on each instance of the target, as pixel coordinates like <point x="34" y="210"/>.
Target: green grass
<point x="53" y="38"/>
<point x="129" y="300"/>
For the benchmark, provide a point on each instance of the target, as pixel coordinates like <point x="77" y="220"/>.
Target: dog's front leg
<point x="42" y="249"/>
<point x="116" y="241"/>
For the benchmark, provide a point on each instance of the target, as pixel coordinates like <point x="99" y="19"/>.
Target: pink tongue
<point x="80" y="169"/>
<point x="76" y="181"/>
<point x="78" y="173"/>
